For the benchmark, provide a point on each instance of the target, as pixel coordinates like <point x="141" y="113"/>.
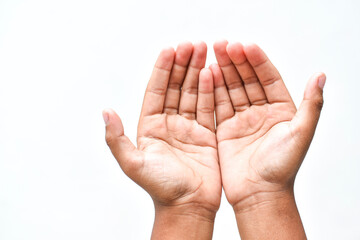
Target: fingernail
<point x="321" y="81"/>
<point x="106" y="117"/>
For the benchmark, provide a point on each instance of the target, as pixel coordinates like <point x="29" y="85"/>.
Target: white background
<point x="62" y="62"/>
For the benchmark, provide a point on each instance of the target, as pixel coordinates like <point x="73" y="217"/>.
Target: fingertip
<point x="217" y="75"/>
<point x="205" y="74"/>
<point x="314" y="87"/>
<point x="321" y="80"/>
<point x="310" y="108"/>
<point x="254" y="54"/>
<point x="167" y="52"/>
<point x="198" y="58"/>
<point x="250" y="48"/>
<point x="109" y="116"/>
<point x="221" y="54"/>
<point x="185" y="45"/>
<point x="234" y="46"/>
<point x="200" y="45"/>
<point x="236" y="52"/>
<point x="105" y="114"/>
<point x="166" y="58"/>
<point x="113" y="123"/>
<point x="214" y="66"/>
<point x="229" y="47"/>
<point x="250" y="45"/>
<point x="183" y="53"/>
<point x="317" y="81"/>
<point x="108" y="110"/>
<point x="168" y="49"/>
<point x="204" y="71"/>
<point x="216" y="71"/>
<point x="220" y="44"/>
<point x="201" y="48"/>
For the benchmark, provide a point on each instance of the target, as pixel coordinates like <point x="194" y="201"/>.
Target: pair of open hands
<point x="253" y="149"/>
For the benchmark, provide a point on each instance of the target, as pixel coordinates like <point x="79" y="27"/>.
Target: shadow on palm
<point x="179" y="155"/>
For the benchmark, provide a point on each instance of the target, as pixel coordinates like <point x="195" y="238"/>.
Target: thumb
<point x="307" y="116"/>
<point x="127" y="155"/>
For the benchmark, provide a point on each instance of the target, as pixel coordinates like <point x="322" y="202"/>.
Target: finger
<point x="127" y="155"/>
<point x="155" y="92"/>
<point x="188" y="98"/>
<point x="205" y="102"/>
<point x="307" y="116"/>
<point x="233" y="82"/>
<point x="267" y="74"/>
<point x="223" y="106"/>
<point x="182" y="59"/>
<point x="252" y="85"/>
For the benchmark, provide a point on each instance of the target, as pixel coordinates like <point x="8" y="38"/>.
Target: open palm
<point x="262" y="138"/>
<point x="176" y="159"/>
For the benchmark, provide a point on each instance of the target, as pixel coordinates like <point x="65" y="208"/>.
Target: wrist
<point x="269" y="215"/>
<point x="185" y="221"/>
<point x="263" y="199"/>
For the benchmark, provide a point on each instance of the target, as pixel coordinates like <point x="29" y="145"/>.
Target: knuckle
<point x="234" y="85"/>
<point x="250" y="80"/>
<point x="188" y="115"/>
<point x="174" y="85"/>
<point x="205" y="109"/>
<point x="221" y="102"/>
<point x="191" y="90"/>
<point x="270" y="80"/>
<point x="157" y="90"/>
<point x="109" y="139"/>
<point x="319" y="103"/>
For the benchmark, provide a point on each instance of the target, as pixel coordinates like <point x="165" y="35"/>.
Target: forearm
<point x="269" y="216"/>
<point x="182" y="223"/>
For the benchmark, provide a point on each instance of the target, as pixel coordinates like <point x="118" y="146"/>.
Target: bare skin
<point x="260" y="142"/>
<point x="176" y="159"/>
<point x="262" y="139"/>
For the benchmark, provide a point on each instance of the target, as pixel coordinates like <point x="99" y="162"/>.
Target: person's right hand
<point x="176" y="160"/>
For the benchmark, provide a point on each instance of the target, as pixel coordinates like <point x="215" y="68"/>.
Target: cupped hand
<point x="176" y="159"/>
<point x="262" y="137"/>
